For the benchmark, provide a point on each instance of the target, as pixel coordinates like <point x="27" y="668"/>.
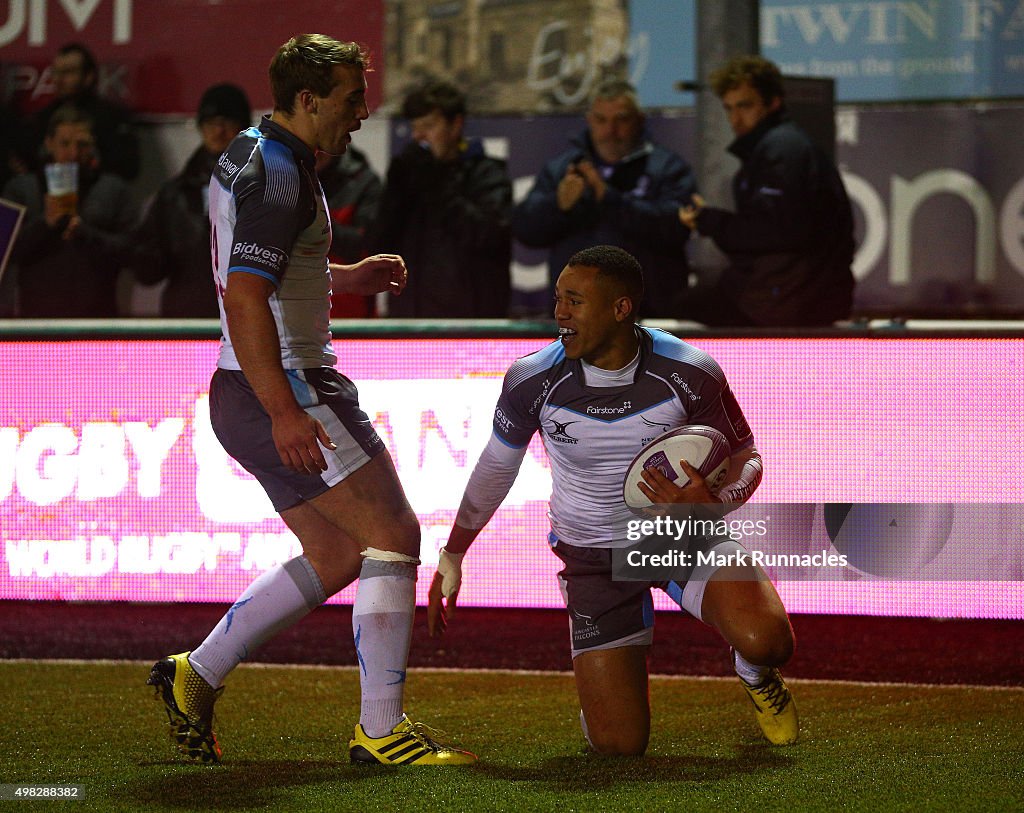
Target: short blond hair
<point x="307" y="62"/>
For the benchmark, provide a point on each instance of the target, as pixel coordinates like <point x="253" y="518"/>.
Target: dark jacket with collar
<point x="450" y="222"/>
<point x="639" y="213"/>
<point x="173" y="242"/>
<point x="353" y="191"/>
<point x="790" y="241"/>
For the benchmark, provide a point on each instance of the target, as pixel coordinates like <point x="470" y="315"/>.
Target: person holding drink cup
<point x="76" y="217"/>
<point x="61" y="190"/>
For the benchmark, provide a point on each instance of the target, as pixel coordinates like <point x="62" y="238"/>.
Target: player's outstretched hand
<point x="444" y="590"/>
<point x="381" y="272"/>
<point x="660" y="490"/>
<point x="437" y="613"/>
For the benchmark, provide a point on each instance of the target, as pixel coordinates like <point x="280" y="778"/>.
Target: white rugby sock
<point x="276" y="600"/>
<point x="749" y="673"/>
<point x="382" y="625"/>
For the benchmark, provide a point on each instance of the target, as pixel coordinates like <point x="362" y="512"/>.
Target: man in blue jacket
<point x="614" y="187"/>
<point x="790" y="241"/>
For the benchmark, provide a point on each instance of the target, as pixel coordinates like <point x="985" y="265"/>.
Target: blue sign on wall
<point x="876" y="50"/>
<point x="664" y="51"/>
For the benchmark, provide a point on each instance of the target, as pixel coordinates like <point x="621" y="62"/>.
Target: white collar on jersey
<point x="596" y="377"/>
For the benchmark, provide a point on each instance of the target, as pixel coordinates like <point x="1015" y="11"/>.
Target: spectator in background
<point x="66" y="254"/>
<point x="14" y="146"/>
<point x="790" y="241"/>
<point x="613" y="186"/>
<point x="352" y="190"/>
<point x="173" y="241"/>
<point x="12" y="162"/>
<point x="446" y="209"/>
<point x="75" y="77"/>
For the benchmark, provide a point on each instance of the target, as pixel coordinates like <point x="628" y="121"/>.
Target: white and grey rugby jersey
<point x="591" y="434"/>
<point x="268" y="217"/>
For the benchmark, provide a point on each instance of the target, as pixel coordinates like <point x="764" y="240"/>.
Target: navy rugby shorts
<point x="244" y="430"/>
<point x="605" y="613"/>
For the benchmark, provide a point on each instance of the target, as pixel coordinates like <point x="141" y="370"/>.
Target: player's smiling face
<point x="342" y="111"/>
<point x="589" y="317"/>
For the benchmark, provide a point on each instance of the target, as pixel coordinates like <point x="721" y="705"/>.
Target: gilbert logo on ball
<point x="703" y="447"/>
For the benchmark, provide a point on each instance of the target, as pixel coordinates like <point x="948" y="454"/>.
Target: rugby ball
<point x="703" y="447"/>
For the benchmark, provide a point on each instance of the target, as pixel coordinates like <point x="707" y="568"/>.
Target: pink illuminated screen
<point x="112" y="486"/>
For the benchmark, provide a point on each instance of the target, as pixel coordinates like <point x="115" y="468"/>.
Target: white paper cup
<point x="62" y="186"/>
<point x="61" y="179"/>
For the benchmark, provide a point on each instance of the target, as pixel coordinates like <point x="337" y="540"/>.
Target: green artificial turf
<point x="285" y="731"/>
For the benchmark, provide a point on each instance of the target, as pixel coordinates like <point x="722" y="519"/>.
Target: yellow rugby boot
<point x="776" y="711"/>
<point x="188" y="701"/>
<point x="408" y="743"/>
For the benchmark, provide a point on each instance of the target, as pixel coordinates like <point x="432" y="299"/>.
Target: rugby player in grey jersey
<point x="284" y="413"/>
<point x="594" y="396"/>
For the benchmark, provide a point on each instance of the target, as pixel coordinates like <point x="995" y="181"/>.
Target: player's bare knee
<point x="610" y="737"/>
<point x="620" y="743"/>
<point x="776" y="652"/>
<point x="408" y="535"/>
<point x="767" y="644"/>
<point x="400" y="534"/>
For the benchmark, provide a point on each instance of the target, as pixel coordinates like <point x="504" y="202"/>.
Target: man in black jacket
<point x="446" y="209"/>
<point x="65" y="260"/>
<point x="790" y="241"/>
<point x="76" y="79"/>
<point x="613" y="187"/>
<point x="173" y="241"/>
